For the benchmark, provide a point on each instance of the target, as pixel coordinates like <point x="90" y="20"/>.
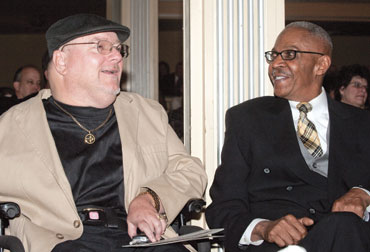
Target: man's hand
<point x="355" y="201"/>
<point x="142" y="215"/>
<point x="285" y="231"/>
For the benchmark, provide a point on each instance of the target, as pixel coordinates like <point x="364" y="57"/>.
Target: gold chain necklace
<point x="89" y="137"/>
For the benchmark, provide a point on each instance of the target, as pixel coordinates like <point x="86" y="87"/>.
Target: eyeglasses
<point x="358" y="85"/>
<point x="285" y="55"/>
<point x="105" y="47"/>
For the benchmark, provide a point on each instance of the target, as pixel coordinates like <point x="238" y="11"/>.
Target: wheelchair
<point x="192" y="210"/>
<point x="10" y="210"/>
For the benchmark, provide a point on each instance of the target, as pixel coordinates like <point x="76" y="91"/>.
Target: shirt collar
<point x="319" y="104"/>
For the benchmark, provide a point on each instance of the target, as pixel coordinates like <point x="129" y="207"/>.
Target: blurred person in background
<point x="353" y="85"/>
<point x="26" y="83"/>
<point x="27" y="80"/>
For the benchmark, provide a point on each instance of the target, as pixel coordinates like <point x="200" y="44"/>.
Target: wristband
<point x="157" y="203"/>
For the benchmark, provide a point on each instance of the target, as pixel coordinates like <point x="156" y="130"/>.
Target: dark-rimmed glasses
<point x="105" y="47"/>
<point x="285" y="55"/>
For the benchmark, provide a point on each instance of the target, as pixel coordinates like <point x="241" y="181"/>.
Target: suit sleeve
<point x="229" y="192"/>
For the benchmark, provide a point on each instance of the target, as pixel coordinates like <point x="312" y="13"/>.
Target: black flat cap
<point x="69" y="28"/>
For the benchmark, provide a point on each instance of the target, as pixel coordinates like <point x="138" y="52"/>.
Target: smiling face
<point x="355" y="93"/>
<point x="299" y="79"/>
<point x="89" y="77"/>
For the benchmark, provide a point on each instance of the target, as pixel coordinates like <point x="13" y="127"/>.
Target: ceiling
<point x="339" y="17"/>
<point x="35" y="16"/>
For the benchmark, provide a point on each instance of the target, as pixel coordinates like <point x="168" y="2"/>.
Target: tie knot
<point x="304" y="107"/>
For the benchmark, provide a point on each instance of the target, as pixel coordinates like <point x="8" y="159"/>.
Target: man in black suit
<point x="273" y="189"/>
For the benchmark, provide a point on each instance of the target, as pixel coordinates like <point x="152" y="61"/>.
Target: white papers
<point x="198" y="235"/>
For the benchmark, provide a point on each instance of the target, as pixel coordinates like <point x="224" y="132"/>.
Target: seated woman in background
<point x="353" y="85"/>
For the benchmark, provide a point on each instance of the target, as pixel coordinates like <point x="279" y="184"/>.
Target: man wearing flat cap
<point x="90" y="166"/>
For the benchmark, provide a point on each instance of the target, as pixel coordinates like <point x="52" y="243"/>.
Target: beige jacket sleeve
<point x="154" y="157"/>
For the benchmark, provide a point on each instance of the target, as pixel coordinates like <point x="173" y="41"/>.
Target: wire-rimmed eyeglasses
<point x="105" y="47"/>
<point x="285" y="55"/>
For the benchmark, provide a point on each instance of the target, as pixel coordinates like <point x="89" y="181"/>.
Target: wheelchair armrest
<point x="191" y="210"/>
<point x="193" y="207"/>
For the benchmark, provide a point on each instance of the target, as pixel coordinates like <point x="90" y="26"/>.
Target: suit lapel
<point x="128" y="120"/>
<point x="286" y="140"/>
<point x="282" y="129"/>
<point x="32" y="120"/>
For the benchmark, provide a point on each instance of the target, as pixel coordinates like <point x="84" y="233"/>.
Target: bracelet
<point x="157" y="204"/>
<point x="163" y="216"/>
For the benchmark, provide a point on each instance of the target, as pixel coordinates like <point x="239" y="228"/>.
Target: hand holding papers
<point x="198" y="235"/>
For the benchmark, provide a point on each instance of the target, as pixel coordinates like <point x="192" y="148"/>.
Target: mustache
<point x="278" y="71"/>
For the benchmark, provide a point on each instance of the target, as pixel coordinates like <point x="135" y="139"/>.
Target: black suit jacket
<point x="264" y="175"/>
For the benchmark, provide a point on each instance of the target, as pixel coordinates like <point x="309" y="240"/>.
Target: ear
<point x="323" y="64"/>
<point x="46" y="73"/>
<point x="59" y="61"/>
<point x="341" y="90"/>
<point x="16" y="85"/>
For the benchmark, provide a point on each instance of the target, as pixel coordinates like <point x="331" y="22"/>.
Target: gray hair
<point x="313" y="29"/>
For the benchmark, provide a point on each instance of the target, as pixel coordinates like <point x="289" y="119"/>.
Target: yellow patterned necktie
<point x="307" y="131"/>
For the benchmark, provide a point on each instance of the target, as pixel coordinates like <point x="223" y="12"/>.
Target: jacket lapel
<point x="128" y="119"/>
<point x="32" y="120"/>
<point x="286" y="139"/>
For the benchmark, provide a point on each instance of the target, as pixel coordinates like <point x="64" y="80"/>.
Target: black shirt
<point x="94" y="171"/>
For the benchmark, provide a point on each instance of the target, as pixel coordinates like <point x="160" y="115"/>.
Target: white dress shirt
<point x="320" y="117"/>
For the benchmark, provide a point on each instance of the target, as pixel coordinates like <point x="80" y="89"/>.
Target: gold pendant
<point x="89" y="138"/>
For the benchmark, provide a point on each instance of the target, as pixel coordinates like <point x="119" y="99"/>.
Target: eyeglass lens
<point x="285" y="55"/>
<point x="106" y="47"/>
<point x="358" y="85"/>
